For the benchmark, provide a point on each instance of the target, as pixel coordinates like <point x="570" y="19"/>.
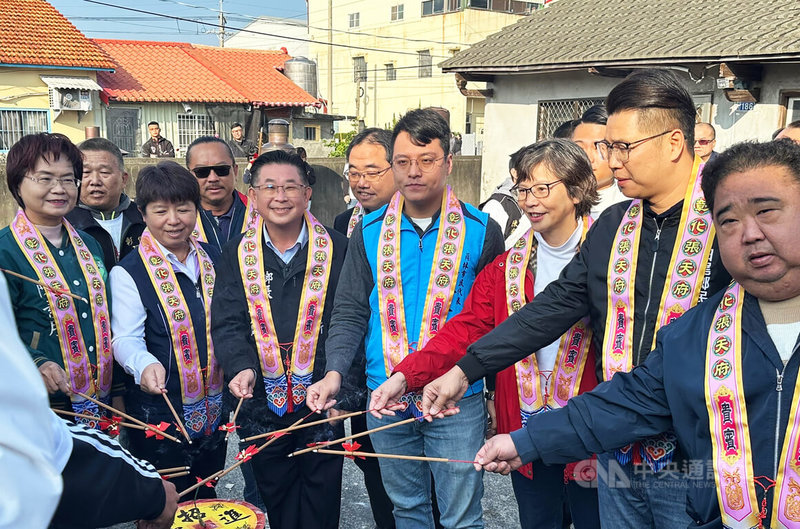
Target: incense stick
<point x="308" y="425"/>
<point x="175" y="475"/>
<point x="233" y="420"/>
<point x="178" y="421"/>
<point x="55" y="290"/>
<point x="125" y="415"/>
<point x="218" y="475"/>
<point x="394" y="456"/>
<point x="172" y="469"/>
<point x="96" y="418"/>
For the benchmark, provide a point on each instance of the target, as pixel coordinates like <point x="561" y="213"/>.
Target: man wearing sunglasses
<point x="705" y="138"/>
<point x="644" y="263"/>
<point x="224" y="212"/>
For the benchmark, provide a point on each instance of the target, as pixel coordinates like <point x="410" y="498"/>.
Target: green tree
<point x="340" y="142"/>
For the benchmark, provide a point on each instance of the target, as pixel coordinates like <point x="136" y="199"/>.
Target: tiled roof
<point x="33" y="32"/>
<point x="180" y="72"/>
<point x="583" y="33"/>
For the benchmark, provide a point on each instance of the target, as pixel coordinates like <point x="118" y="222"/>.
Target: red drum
<point x="216" y="514"/>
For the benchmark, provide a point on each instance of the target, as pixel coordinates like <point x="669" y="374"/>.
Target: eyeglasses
<point x="67" y="182"/>
<point x="204" y="170"/>
<point x="703" y="142"/>
<point x="289" y="190"/>
<point x="538" y="190"/>
<point x="425" y="164"/>
<point x="621" y="148"/>
<point x="369" y="176"/>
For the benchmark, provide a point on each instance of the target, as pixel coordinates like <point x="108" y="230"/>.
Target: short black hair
<point x="793" y="125"/>
<point x="26" y="153"/>
<point x="154" y="123"/>
<point x="281" y="157"/>
<point x="102" y="144"/>
<point x="597" y="115"/>
<point x="566" y="129"/>
<point x="235" y="124"/>
<point x="209" y="139"/>
<point x="747" y="156"/>
<point x="659" y="97"/>
<point x="167" y="181"/>
<point x="423" y="125"/>
<point x="374" y="136"/>
<point x="568" y="162"/>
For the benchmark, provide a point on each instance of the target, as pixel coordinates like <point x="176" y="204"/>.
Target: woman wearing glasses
<point x="272" y="311"/>
<point x="64" y="319"/>
<point x="555" y="188"/>
<point x="162" y="329"/>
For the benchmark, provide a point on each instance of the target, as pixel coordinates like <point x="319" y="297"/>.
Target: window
<point x="554" y="113"/>
<point x="310" y="133"/>
<point x="14" y="124"/>
<point x="192" y="126"/>
<point x="397" y="12"/>
<point x="425" y="63"/>
<point x="432" y="7"/>
<point x="359" y="69"/>
<point x="391" y="73"/>
<point x="792" y="110"/>
<point x="354" y="20"/>
<point x="480" y="4"/>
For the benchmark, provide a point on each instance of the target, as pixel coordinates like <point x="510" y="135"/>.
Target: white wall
<point x="281" y="27"/>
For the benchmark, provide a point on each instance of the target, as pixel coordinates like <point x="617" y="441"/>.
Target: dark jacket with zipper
<point x="234" y="344"/>
<point x="668" y="390"/>
<point x="581" y="290"/>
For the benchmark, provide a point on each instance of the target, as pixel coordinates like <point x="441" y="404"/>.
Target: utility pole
<point x="221" y="26"/>
<point x="330" y="55"/>
<point x="375" y="96"/>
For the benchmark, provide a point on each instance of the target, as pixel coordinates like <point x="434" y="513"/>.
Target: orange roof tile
<point x="33" y="32"/>
<point x="178" y="72"/>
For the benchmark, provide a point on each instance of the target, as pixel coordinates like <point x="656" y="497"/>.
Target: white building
<point x="270" y="33"/>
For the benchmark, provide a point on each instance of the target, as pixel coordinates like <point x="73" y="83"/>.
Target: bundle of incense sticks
<point x="392" y="456"/>
<point x="126" y="416"/>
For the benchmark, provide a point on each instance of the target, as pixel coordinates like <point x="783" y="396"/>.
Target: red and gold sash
<point x="441" y="284"/>
<point x="573" y="349"/>
<point x="730" y="433"/>
<point x="355" y="218"/>
<point x="201" y="394"/>
<point x="294" y="381"/>
<point x="76" y="360"/>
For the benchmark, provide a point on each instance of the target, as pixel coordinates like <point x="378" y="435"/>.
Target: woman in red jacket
<point x="556" y="189"/>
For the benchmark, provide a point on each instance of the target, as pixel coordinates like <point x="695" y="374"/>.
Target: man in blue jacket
<point x="724" y="375"/>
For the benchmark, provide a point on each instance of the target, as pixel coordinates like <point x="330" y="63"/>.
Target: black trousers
<point x="378" y="499"/>
<point x="205" y="456"/>
<point x="303" y="491"/>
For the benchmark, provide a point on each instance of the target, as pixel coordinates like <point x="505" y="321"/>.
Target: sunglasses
<point x="204" y="171"/>
<point x="703" y="142"/>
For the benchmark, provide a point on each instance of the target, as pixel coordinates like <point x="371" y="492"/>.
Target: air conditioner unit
<point x="70" y="99"/>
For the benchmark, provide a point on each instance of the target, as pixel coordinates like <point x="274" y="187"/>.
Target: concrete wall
<point x="512" y="113"/>
<point x="23" y="89"/>
<point x="327" y="199"/>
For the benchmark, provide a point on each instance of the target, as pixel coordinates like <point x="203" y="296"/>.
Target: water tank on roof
<point x="303" y="72"/>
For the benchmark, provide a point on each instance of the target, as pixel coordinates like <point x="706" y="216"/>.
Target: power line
<point x="185" y="19"/>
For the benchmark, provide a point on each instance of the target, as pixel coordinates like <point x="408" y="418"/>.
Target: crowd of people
<point x="614" y="327"/>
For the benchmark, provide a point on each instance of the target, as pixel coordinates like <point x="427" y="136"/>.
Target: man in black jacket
<point x="284" y="269"/>
<point x="104" y="211"/>
<point x="643" y="264"/>
<point x="157" y="146"/>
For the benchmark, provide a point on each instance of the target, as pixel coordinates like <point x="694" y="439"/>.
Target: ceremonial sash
<point x="279" y="383"/>
<point x="441" y="284"/>
<point x="201" y="393"/>
<point x="249" y="221"/>
<point x="681" y="291"/>
<point x="355" y="218"/>
<point x="730" y="433"/>
<point x="573" y="349"/>
<point x="64" y="313"/>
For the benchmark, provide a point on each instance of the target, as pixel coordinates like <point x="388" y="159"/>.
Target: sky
<point x="103" y="22"/>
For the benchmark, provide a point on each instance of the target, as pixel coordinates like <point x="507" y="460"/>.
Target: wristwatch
<point x="489" y="395"/>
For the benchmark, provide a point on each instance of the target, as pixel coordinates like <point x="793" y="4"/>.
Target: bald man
<point x="705" y="138"/>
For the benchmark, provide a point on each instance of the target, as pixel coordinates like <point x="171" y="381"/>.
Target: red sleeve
<point x="474" y="321"/>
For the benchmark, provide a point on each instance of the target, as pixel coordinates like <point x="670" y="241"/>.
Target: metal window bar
<point x="425" y="64"/>
<point x="554" y="113"/>
<point x="192" y="126"/>
<point x="359" y="69"/>
<point x="14" y="124"/>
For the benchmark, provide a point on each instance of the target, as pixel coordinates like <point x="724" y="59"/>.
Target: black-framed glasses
<point x="203" y="171"/>
<point x="425" y="163"/>
<point x="622" y="149"/>
<point x="67" y="182"/>
<point x="369" y="176"/>
<point x="538" y="190"/>
<point x="289" y="190"/>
